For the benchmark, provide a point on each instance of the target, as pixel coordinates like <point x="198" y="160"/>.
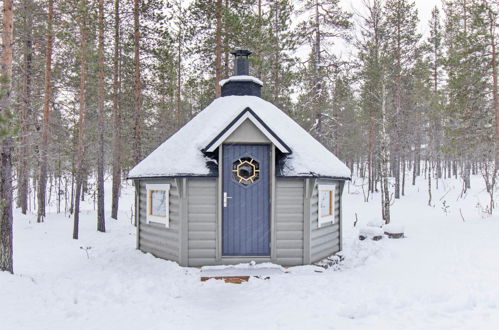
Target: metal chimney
<point x="241" y="62"/>
<point x="241" y="83"/>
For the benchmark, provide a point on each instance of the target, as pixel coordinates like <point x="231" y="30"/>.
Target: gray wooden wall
<point x="202" y="219"/>
<point x="155" y="238"/>
<point x="324" y="241"/>
<point x="289" y="224"/>
<point x="297" y="237"/>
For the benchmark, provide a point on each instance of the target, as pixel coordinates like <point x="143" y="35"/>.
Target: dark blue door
<point x="246" y="210"/>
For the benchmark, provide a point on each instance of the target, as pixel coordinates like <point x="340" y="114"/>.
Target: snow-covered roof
<point x="182" y="155"/>
<point x="241" y="78"/>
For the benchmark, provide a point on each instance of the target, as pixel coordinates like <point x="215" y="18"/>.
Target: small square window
<point x="158" y="203"/>
<point x="326" y="204"/>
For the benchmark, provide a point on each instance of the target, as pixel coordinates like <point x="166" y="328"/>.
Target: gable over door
<point x="246" y="200"/>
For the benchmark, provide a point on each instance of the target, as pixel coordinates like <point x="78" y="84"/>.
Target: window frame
<point x="150" y="187"/>
<point x="330" y="218"/>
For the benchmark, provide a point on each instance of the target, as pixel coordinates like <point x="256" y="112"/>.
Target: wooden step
<point x="227" y="279"/>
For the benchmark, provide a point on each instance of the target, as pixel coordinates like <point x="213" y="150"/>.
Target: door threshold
<point x="246" y="257"/>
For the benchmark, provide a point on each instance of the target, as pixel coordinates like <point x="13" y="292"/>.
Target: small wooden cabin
<point x="239" y="182"/>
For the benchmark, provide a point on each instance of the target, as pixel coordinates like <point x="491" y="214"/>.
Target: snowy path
<point x="444" y="275"/>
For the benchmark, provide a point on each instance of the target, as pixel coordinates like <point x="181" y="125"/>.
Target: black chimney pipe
<point x="241" y="62"/>
<point x="241" y="83"/>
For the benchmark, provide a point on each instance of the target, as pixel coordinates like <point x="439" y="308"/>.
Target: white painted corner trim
<point x="326" y="194"/>
<point x="157" y="219"/>
<point x="235" y="126"/>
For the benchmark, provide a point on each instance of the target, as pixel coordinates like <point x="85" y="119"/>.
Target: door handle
<point x="225" y="199"/>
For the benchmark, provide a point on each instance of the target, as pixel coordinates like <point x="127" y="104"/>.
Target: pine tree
<point x="116" y="137"/>
<point x="101" y="224"/>
<point x="6" y="263"/>
<point x="371" y="75"/>
<point x="27" y="73"/>
<point x="401" y="47"/>
<point x="42" y="185"/>
<point x="467" y="67"/>
<point x="137" y="137"/>
<point x="435" y="45"/>
<point x="80" y="156"/>
<point x="327" y="21"/>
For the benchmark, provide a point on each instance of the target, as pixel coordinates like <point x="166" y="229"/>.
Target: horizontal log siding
<point x="324" y="241"/>
<point x="289" y="221"/>
<point x="155" y="238"/>
<point x="202" y="221"/>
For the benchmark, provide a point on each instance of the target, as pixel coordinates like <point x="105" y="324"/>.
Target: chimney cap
<point x="241" y="52"/>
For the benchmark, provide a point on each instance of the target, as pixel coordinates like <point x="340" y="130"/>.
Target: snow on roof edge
<point x="181" y="154"/>
<point x="241" y="78"/>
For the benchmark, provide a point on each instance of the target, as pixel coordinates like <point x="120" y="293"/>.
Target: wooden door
<point x="246" y="200"/>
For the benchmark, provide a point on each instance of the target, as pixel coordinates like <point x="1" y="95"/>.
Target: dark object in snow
<point x="394" y="235"/>
<point x="375" y="233"/>
<point x="374" y="238"/>
<point x="331" y="261"/>
<point x="394" y="231"/>
<point x="233" y="279"/>
<point x="86" y="249"/>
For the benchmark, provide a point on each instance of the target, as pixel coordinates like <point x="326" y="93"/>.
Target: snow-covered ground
<point x="443" y="275"/>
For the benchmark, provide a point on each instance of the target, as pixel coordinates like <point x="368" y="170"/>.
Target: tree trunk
<point x="178" y="96"/>
<point x="23" y="179"/>
<point x="429" y="188"/>
<point x="466" y="175"/>
<point x="318" y="74"/>
<point x="116" y="115"/>
<point x="81" y="124"/>
<point x="384" y="158"/>
<point x="101" y="222"/>
<point x="398" y="100"/>
<point x="137" y="148"/>
<point x="370" y="144"/>
<point x="42" y="185"/>
<point x="226" y="42"/>
<point x="417" y="148"/>
<point x="495" y="97"/>
<point x="218" y="48"/>
<point x="260" y="35"/>
<point x="403" y="176"/>
<point x="276" y="57"/>
<point x="6" y="262"/>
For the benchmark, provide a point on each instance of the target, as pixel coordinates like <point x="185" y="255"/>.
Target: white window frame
<point x="329" y="218"/>
<point x="157" y="219"/>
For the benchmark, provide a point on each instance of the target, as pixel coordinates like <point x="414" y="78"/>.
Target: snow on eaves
<point x="241" y="78"/>
<point x="181" y="154"/>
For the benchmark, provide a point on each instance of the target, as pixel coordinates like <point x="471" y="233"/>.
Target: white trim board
<point x="238" y="123"/>
<point x="157" y="219"/>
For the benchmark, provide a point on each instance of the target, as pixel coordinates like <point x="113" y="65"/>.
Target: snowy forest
<point x="90" y="87"/>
